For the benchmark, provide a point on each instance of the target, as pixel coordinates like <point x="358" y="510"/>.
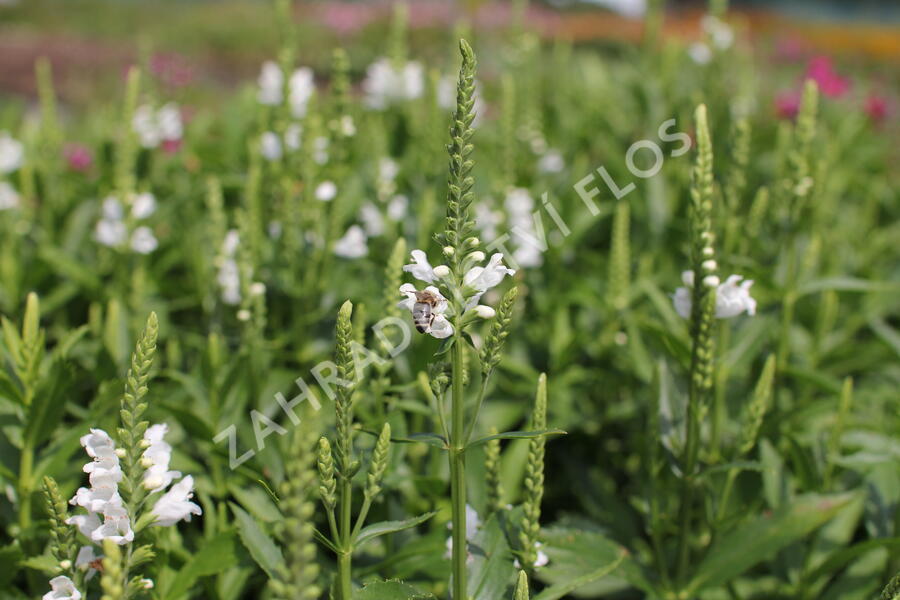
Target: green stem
<point x="689" y="465"/>
<point x="346" y="553"/>
<point x="726" y="493"/>
<point x="26" y="464"/>
<point x="361" y="518"/>
<point x="458" y="473"/>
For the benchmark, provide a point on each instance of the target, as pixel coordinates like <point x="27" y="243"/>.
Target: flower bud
<point x="151" y="483"/>
<point x="441" y="271"/>
<point x="147" y="584"/>
<point x="146" y="463"/>
<point x="257" y="288"/>
<point x="449" y="251"/>
<point x="711" y="281"/>
<point x="485" y="312"/>
<point x="477" y="256"/>
<point x="120" y="452"/>
<point x="65" y="565"/>
<point x="707" y="251"/>
<point x="473" y="242"/>
<point x="243" y="315"/>
<point x="709" y="265"/>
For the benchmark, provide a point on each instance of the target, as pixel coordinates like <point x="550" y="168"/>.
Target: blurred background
<point x="196" y="48"/>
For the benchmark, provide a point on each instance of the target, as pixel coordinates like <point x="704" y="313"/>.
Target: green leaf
<point x="390" y="590"/>
<point x="9" y="389"/>
<point x="9" y="557"/>
<point x="516" y="435"/>
<point x="491" y="570"/>
<point x="585" y="557"/>
<point x="846" y="284"/>
<point x="370" y="532"/>
<point x="559" y="590"/>
<point x="261" y="547"/>
<point x="48" y="406"/>
<point x="762" y="537"/>
<point x="214" y="556"/>
<point x="432" y="439"/>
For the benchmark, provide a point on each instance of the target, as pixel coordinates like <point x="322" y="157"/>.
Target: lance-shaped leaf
<point x="370" y="532"/>
<point x="258" y="543"/>
<point x="516" y="435"/>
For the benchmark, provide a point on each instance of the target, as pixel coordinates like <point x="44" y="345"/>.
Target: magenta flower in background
<point x="171" y="146"/>
<point x="831" y="84"/>
<point x="346" y="18"/>
<point x="787" y="104"/>
<point x="172" y="69"/>
<point x="876" y="107"/>
<point x="78" y="157"/>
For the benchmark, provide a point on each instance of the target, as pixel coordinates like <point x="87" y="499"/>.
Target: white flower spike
<point x="732" y="297"/>
<point x="175" y="505"/>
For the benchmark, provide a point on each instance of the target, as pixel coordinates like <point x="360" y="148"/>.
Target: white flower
<point x="487" y="220"/>
<point x="86" y="556"/>
<point x="9" y="198"/>
<point x="540" y="560"/>
<point x="353" y="244"/>
<point x="156" y="458"/>
<point x="320" y="150"/>
<point x="372" y="219"/>
<point x="440" y="326"/>
<point x="86" y="524"/>
<point x="271" y="81"/>
<point x="62" y="588"/>
<point x="154" y="126"/>
<point x="551" y="162"/>
<point x="110" y="233"/>
<point x="445" y="92"/>
<point x="386" y="85"/>
<point x="293" y="136"/>
<point x="302" y="87"/>
<point x="396" y="208"/>
<point x="732" y="297"/>
<point x="348" y="127"/>
<point x="168" y="119"/>
<point x="484" y="278"/>
<point x="144" y="205"/>
<point x="257" y="288"/>
<point x="718" y="31"/>
<point x="270" y="146"/>
<point x="116" y="526"/>
<point x="11" y="153"/>
<point x="111" y="209"/>
<point x="230" y="243"/>
<point x="519" y="205"/>
<point x="98" y="444"/>
<point x="243" y="315"/>
<point x="103" y="492"/>
<point x="175" y="505"/>
<point x="420" y="267"/>
<point x="700" y="53"/>
<point x="528" y="255"/>
<point x="388" y="169"/>
<point x="485" y="312"/>
<point x="473" y="524"/>
<point x="143" y="241"/>
<point x="229" y="279"/>
<point x="326" y="191"/>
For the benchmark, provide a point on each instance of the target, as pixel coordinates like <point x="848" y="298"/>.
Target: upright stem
<point x="346" y="548"/>
<point x="458" y="474"/>
<point x="689" y="464"/>
<point x="26" y="463"/>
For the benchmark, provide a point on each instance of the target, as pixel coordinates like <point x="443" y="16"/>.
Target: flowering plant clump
<point x="587" y="321"/>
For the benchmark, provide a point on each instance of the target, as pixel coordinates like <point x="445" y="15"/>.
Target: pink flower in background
<point x="78" y="157"/>
<point x="172" y="69"/>
<point x="171" y="146"/>
<point x="790" y="49"/>
<point x="787" y="104"/>
<point x="876" y="107"/>
<point x="831" y="84"/>
<point x="345" y="18"/>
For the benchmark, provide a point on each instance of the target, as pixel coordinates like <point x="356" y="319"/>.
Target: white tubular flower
<point x="397" y="207"/>
<point x="143" y="241"/>
<point x="484" y="278"/>
<point x="271" y="81"/>
<point x="86" y="556"/>
<point x="110" y="233"/>
<point x="270" y="146"/>
<point x="420" y="268"/>
<point x="144" y="205"/>
<point x="175" y="505"/>
<point x="157" y="455"/>
<point x="700" y="53"/>
<point x="551" y="162"/>
<point x="473" y="524"/>
<point x="302" y="87"/>
<point x="62" y="588"/>
<point x="168" y="119"/>
<point x="86" y="524"/>
<point x="11" y="153"/>
<point x="732" y="297"/>
<point x="353" y="244"/>
<point x="439" y="326"/>
<point x="103" y="492"/>
<point x="230" y="243"/>
<point x="719" y="32"/>
<point x="98" y="444"/>
<point x="116" y="526"/>
<point x="372" y="220"/>
<point x="111" y="209"/>
<point x="9" y="197"/>
<point x="326" y="191"/>
<point x="385" y="85"/>
<point x="293" y="136"/>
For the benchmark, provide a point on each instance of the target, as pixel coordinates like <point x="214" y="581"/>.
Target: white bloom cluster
<point x="102" y="499"/>
<point x="353" y="244"/>
<point x="385" y="84"/>
<point x="301" y="87"/>
<point x="732" y="297"/>
<point x="519" y="209"/>
<point x="11" y="153"/>
<point x="157" y="126"/>
<point x="9" y="197"/>
<point x="113" y="229"/>
<point x="229" y="275"/>
<point x="62" y="588"/>
<point x="551" y="161"/>
<point x="326" y="191"/>
<point x="477" y="280"/>
<point x="718" y="33"/>
<point x="473" y="524"/>
<point x="271" y="146"/>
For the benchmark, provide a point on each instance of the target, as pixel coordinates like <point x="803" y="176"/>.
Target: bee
<point x="96" y="564"/>
<point x="423" y="310"/>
